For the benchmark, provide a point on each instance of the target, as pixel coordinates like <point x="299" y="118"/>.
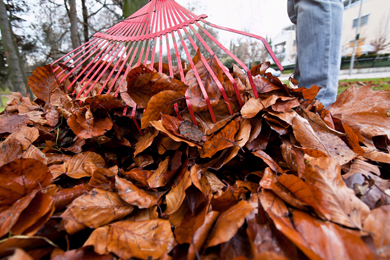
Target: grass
<point x="4" y="99"/>
<point x="378" y="84"/>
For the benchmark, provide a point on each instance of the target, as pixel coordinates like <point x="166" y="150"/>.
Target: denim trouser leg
<point x="318" y="37"/>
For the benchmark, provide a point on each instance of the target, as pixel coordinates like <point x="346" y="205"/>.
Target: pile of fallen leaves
<point x="281" y="177"/>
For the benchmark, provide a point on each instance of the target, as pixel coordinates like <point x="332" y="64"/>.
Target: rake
<point x="162" y="24"/>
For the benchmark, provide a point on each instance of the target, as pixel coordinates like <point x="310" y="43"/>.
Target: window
<point x="280" y="48"/>
<point x="363" y="21"/>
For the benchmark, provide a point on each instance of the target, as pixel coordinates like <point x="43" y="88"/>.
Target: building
<point x="374" y="31"/>
<point x="374" y="26"/>
<point x="284" y="45"/>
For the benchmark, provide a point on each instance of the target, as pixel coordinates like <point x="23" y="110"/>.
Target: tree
<point x="17" y="75"/>
<point x="380" y="43"/>
<point x="72" y="14"/>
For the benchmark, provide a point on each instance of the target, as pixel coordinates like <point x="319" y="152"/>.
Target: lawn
<point x="378" y="83"/>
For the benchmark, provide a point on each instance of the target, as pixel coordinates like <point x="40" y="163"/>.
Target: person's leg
<point x="318" y="38"/>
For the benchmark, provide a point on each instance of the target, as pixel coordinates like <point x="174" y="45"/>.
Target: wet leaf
<point x="317" y="136"/>
<point x="20" y="177"/>
<point x="228" y="223"/>
<point x="143" y="239"/>
<point x="177" y="194"/>
<point x="336" y="201"/>
<point x="221" y="140"/>
<point x="64" y="197"/>
<point x="157" y="179"/>
<point x="76" y="166"/>
<point x="270" y="181"/>
<point x="142" y="84"/>
<point x="44" y="84"/>
<point x="162" y="102"/>
<point x="85" y="125"/>
<point x="135" y="196"/>
<point x="27" y="214"/>
<point x="377" y="223"/>
<point x="98" y="208"/>
<point x="145" y="141"/>
<point x="197" y="99"/>
<point x="12" y="123"/>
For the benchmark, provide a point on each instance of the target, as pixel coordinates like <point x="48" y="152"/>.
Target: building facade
<point x="374" y="27"/>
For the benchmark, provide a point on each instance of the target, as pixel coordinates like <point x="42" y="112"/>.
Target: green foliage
<point x="131" y="6"/>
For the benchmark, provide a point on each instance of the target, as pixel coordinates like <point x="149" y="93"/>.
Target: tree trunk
<point x="85" y="20"/>
<point x="73" y="24"/>
<point x="16" y="70"/>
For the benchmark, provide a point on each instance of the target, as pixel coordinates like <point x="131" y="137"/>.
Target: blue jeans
<point x="318" y="38"/>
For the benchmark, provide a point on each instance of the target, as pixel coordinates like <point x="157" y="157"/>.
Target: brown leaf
<point x="221" y="140"/>
<point x="223" y="200"/>
<point x="144" y="239"/>
<point x="10" y="149"/>
<point x="44" y="84"/>
<point x="189" y="226"/>
<point x="263" y="85"/>
<point x="20" y="177"/>
<point x="19" y="254"/>
<point x="221" y="113"/>
<point x="144" y="214"/>
<point x="64" y="197"/>
<point x="268" y="160"/>
<point x="194" y="92"/>
<point x="201" y="234"/>
<point x="106" y="102"/>
<point x="98" y="208"/>
<point x="176" y="195"/>
<point x="298" y="187"/>
<point x="85" y="126"/>
<point x="157" y="179"/>
<point x="139" y="174"/>
<point x="215" y="183"/>
<point x="82" y="253"/>
<point x="145" y="141"/>
<point x="191" y="131"/>
<point x="228" y="223"/>
<point x="314" y="134"/>
<point x="169" y="125"/>
<point x="32" y="218"/>
<point x="335" y="200"/>
<point x="365" y="109"/>
<point x="161" y="103"/>
<point x="142" y="84"/>
<point x="12" y="123"/>
<point x="76" y="166"/>
<point x="328" y="240"/>
<point x="135" y="196"/>
<point x="52" y="116"/>
<point x="269" y="181"/>
<point x="27" y="214"/>
<point x="307" y="93"/>
<point x="25" y="135"/>
<point x="377" y="223"/>
<point x="260" y="69"/>
<point x="34" y="153"/>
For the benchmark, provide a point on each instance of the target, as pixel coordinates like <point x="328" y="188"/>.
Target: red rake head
<point x="102" y="63"/>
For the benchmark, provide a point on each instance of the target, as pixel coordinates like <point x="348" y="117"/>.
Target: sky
<point x="261" y="17"/>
